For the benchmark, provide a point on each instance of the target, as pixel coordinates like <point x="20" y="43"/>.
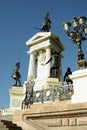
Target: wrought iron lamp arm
<point x="77" y="31"/>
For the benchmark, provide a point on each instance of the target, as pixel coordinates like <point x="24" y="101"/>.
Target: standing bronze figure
<point x="16" y="74"/>
<point x="46" y="24"/>
<point x="54" y="64"/>
<point x="66" y="76"/>
<point x="29" y="93"/>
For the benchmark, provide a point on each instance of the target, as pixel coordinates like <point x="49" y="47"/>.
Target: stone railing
<point x="51" y="94"/>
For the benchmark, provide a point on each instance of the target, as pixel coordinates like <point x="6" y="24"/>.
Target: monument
<point x="49" y="103"/>
<point x="45" y="81"/>
<point x="45" y="68"/>
<point x="17" y="90"/>
<point x="16" y="93"/>
<point x="41" y="47"/>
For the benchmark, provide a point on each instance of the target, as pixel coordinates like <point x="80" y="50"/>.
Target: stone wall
<point x="54" y="116"/>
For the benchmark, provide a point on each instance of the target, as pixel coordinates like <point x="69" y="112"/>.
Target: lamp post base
<point x="81" y="64"/>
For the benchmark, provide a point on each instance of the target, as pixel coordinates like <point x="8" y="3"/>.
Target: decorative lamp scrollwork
<point x="77" y="31"/>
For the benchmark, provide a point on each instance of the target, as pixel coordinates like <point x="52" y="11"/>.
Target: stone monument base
<point x="46" y="83"/>
<point x="53" y="116"/>
<point x="51" y="82"/>
<point x="79" y="78"/>
<point x="16" y="97"/>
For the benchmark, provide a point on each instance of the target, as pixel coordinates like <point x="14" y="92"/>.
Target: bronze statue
<point x="16" y="74"/>
<point x="54" y="64"/>
<point x="46" y="24"/>
<point x="29" y="93"/>
<point x="66" y="76"/>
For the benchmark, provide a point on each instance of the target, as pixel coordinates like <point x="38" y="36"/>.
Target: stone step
<point x="8" y="125"/>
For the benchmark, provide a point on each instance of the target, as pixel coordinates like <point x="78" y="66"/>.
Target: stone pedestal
<point x="41" y="47"/>
<point x="79" y="78"/>
<point x="46" y="83"/>
<point x="16" y="97"/>
<point x="52" y="82"/>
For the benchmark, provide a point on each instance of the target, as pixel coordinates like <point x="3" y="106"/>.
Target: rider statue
<point x="16" y="74"/>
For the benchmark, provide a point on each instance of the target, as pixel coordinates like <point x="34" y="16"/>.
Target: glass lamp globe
<point x="75" y="23"/>
<point x="66" y="26"/>
<point x="82" y="20"/>
<point x="85" y="30"/>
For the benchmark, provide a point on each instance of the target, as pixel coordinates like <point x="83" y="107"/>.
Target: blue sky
<point x="17" y="21"/>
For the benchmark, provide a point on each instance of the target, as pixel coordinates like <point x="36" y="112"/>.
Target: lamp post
<point x="77" y="31"/>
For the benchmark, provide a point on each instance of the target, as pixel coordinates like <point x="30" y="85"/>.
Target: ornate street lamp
<point x="77" y="31"/>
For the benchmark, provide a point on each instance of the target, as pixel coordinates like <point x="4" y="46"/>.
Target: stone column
<point x="31" y="70"/>
<point x="48" y="56"/>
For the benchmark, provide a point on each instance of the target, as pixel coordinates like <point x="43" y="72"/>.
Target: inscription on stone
<point x="16" y="103"/>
